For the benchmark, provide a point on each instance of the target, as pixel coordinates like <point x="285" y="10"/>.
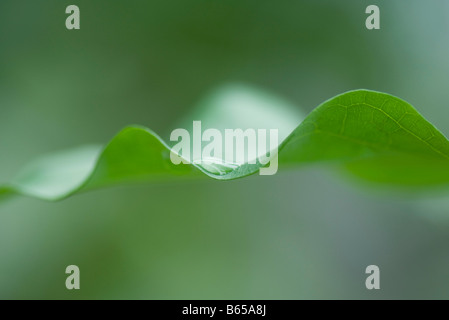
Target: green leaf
<point x="242" y="106"/>
<point x="373" y="135"/>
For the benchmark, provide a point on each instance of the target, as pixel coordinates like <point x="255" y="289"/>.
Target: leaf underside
<point x="373" y="135"/>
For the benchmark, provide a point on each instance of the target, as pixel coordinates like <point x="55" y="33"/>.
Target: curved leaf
<point x="373" y="135"/>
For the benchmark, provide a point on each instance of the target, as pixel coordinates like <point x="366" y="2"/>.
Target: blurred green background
<point x="299" y="234"/>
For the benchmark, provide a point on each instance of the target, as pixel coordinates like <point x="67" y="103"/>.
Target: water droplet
<point x="216" y="166"/>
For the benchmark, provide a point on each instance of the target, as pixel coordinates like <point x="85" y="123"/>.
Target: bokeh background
<point x="299" y="234"/>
